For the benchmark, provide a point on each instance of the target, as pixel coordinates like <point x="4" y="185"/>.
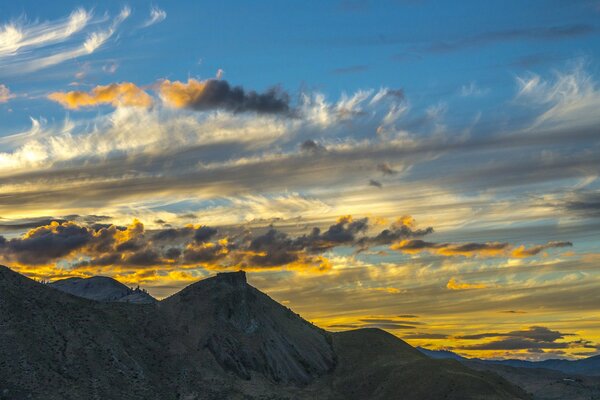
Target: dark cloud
<point x="204" y="234"/>
<point x="205" y="253"/>
<point x="535" y="338"/>
<point x="523" y="251"/>
<point x="172" y="234"/>
<point x="48" y="242"/>
<point x="310" y="146"/>
<point x="274" y="248"/>
<point x="586" y="204"/>
<point x="377" y="184"/>
<point x="386" y="169"/>
<point x="146" y="257"/>
<point x="535" y="333"/>
<point x="517" y="344"/>
<point x="425" y="335"/>
<point x="173" y="253"/>
<point x="452" y="249"/>
<point x="390" y="326"/>
<point x="389" y="321"/>
<point x="398" y="231"/>
<point x="218" y="94"/>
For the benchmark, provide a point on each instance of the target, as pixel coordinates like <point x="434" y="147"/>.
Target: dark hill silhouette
<point x="219" y="338"/>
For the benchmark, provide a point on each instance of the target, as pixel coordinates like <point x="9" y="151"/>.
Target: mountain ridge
<point x="102" y="288"/>
<point x="218" y="338"/>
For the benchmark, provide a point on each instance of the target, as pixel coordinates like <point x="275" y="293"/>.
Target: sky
<point x="428" y="168"/>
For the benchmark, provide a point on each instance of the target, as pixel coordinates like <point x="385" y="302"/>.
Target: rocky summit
<point x="219" y="338"/>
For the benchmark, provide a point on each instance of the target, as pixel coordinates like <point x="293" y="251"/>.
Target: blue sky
<point x="362" y="159"/>
<point x="334" y="47"/>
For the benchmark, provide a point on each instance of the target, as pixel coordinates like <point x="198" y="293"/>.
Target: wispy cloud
<point x="156" y="15"/>
<point x="499" y="36"/>
<point x="18" y="36"/>
<point x="52" y="42"/>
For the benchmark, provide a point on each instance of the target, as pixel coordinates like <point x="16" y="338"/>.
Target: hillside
<point x="218" y="338"/>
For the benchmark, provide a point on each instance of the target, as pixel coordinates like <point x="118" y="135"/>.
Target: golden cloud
<point x="124" y="94"/>
<point x="454" y="284"/>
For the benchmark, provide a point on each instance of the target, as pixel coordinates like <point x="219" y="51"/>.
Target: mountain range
<point x="589" y="366"/>
<point x="219" y="338"/>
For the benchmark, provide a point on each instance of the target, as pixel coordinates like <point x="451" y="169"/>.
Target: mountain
<point x="219" y="338"/>
<point x="587" y="366"/>
<point x="545" y="380"/>
<point x="102" y="288"/>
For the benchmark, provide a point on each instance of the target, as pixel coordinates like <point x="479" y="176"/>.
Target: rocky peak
<point x="233" y="278"/>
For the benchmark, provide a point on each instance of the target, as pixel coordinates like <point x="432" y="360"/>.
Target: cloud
<point x="516" y="34"/>
<point x="472" y="90"/>
<point x="376" y="322"/>
<point x="157" y="15"/>
<point x="453" y="284"/>
<point x="490" y="249"/>
<point x="353" y="69"/>
<point x="535" y="333"/>
<point x="52" y="42"/>
<point x="415" y="246"/>
<point x="377" y="184"/>
<point x="18" y="36"/>
<point x="522" y="251"/>
<point x="124" y="94"/>
<point x="5" y="94"/>
<point x="425" y="335"/>
<point x="569" y="98"/>
<point x="533" y="339"/>
<point x="218" y="94"/>
<point x="88" y="245"/>
<point x="386" y="169"/>
<point x="583" y="203"/>
<point x="46" y="243"/>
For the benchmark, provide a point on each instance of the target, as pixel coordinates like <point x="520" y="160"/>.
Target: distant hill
<point x="219" y="338"/>
<point x="546" y="380"/>
<point x="587" y="366"/>
<point x="102" y="288"/>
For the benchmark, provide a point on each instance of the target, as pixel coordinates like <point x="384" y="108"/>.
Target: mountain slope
<point x="217" y="339"/>
<point x="247" y="332"/>
<point x="374" y="364"/>
<point x="102" y="288"/>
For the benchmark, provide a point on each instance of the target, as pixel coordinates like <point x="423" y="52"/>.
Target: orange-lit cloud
<point x="489" y="249"/>
<point x="454" y="284"/>
<point x="523" y="252"/>
<point x="124" y="94"/>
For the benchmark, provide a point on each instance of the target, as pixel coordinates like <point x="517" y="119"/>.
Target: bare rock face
<point x="249" y="333"/>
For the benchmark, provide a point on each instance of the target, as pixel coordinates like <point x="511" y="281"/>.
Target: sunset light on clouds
<point x="440" y="183"/>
